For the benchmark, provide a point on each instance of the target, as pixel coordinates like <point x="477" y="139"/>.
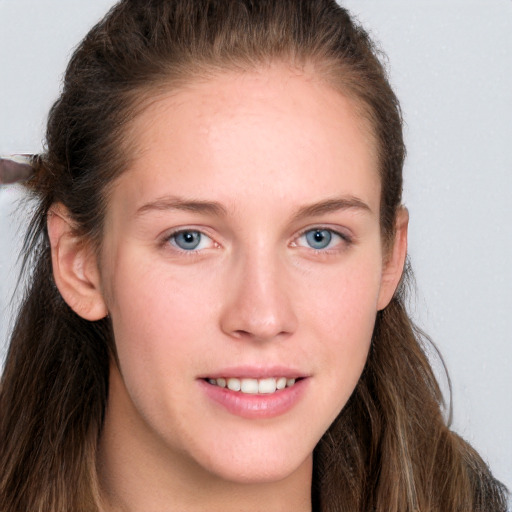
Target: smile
<point x="256" y="398"/>
<point x="253" y="386"/>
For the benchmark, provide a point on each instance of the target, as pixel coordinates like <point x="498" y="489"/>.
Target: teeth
<point x="234" y="384"/>
<point x="267" y="386"/>
<point x="253" y="386"/>
<point x="281" y="383"/>
<point x="249" y="386"/>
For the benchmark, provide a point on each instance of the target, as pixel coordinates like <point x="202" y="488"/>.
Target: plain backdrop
<point x="450" y="62"/>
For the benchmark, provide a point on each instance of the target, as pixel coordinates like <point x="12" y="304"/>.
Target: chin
<point x="260" y="467"/>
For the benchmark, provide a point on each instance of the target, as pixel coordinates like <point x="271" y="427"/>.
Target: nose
<point x="258" y="303"/>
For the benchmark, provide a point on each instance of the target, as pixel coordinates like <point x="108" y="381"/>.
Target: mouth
<point x="256" y="393"/>
<point x="250" y="386"/>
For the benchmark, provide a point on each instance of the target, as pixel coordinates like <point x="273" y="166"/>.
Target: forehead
<point x="271" y="132"/>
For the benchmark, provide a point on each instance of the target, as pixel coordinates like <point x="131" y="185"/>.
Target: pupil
<point x="188" y="240"/>
<point x="318" y="238"/>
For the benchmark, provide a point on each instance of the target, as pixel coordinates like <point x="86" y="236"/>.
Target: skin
<point x="263" y="146"/>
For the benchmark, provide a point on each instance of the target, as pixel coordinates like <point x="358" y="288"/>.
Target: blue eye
<point x="320" y="239"/>
<point x="190" y="240"/>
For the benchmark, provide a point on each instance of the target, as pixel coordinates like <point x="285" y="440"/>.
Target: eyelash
<point x="345" y="240"/>
<point x="170" y="239"/>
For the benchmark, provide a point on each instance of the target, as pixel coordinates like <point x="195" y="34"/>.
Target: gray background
<point x="451" y="65"/>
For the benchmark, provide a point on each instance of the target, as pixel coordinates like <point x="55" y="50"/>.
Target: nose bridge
<point x="259" y="304"/>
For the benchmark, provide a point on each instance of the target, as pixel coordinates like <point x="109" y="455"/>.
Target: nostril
<point x="241" y="333"/>
<point x="259" y="335"/>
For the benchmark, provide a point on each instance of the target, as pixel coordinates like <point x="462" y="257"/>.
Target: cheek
<point x="345" y="300"/>
<point x="158" y="319"/>
<point x="155" y="315"/>
<point x="342" y="316"/>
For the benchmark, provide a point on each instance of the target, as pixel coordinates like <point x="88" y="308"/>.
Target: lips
<point x="254" y="393"/>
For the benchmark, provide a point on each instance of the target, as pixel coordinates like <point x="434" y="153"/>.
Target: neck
<point x="138" y="473"/>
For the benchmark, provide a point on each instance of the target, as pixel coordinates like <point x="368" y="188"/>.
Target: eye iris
<point x="187" y="240"/>
<point x="319" y="238"/>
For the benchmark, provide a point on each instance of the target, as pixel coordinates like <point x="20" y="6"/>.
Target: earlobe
<point x="74" y="266"/>
<point x="395" y="261"/>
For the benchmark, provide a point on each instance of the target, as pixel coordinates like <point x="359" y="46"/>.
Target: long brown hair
<point x="390" y="449"/>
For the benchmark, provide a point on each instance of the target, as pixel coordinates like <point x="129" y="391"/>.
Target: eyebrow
<point x="214" y="208"/>
<point x="176" y="203"/>
<point x="332" y="205"/>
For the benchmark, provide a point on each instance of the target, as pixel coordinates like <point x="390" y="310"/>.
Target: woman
<point x="216" y="314"/>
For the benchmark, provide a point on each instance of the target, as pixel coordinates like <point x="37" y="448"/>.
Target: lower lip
<point x="256" y="406"/>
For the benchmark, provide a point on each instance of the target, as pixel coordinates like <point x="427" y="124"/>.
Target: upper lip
<point x="255" y="372"/>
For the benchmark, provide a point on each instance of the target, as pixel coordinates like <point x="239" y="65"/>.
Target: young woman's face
<point x="242" y="249"/>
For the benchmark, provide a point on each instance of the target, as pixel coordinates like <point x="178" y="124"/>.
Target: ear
<point x="395" y="260"/>
<point x="75" y="268"/>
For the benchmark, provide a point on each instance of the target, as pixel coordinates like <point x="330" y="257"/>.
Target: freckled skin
<point x="262" y="145"/>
